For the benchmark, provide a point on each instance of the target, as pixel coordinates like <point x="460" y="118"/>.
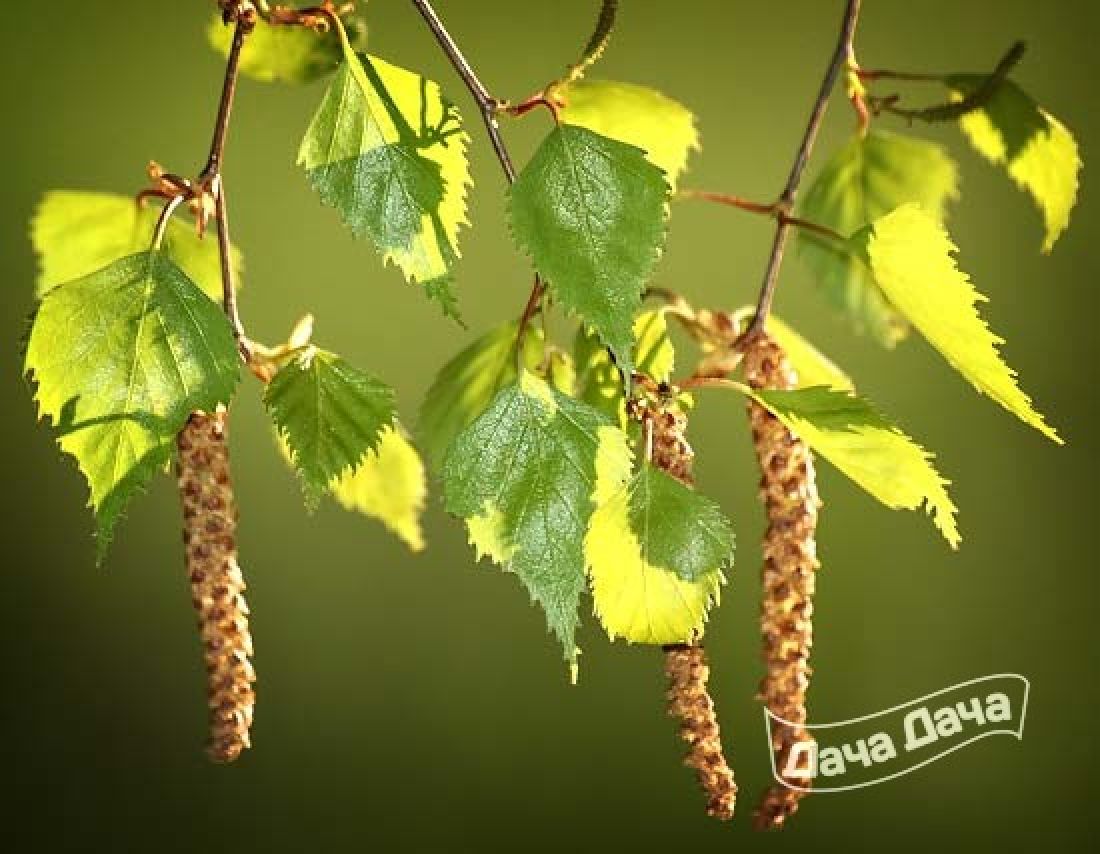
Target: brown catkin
<point x="789" y="491"/>
<point x="686" y="664"/>
<point x="217" y="586"/>
<point x="670" y="452"/>
<point x="688" y="701"/>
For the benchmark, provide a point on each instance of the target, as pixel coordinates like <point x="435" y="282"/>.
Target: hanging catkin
<point x="789" y="491"/>
<point x="686" y="664"/>
<point x="217" y="586"/>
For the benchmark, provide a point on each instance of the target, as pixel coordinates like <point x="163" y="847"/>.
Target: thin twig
<point x="841" y="56"/>
<point x="163" y="218"/>
<point x="486" y="103"/>
<point x="534" y="299"/>
<point x="869" y="75"/>
<point x="225" y="106"/>
<point x="698" y="381"/>
<point x="229" y="288"/>
<point x="955" y="109"/>
<point x="211" y="180"/>
<point x="551" y="95"/>
<point x="773" y="210"/>
<point x="815" y="227"/>
<point x="604" y="24"/>
<point x="597" y="42"/>
<point x="729" y="200"/>
<point x="489" y="107"/>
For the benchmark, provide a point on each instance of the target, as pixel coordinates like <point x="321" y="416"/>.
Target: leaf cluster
<point x="538" y="443"/>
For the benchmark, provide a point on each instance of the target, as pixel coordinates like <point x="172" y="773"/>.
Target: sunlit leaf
<point x="851" y="434"/>
<point x="867" y="178"/>
<point x="389" y="485"/>
<point x="599" y="380"/>
<point x="284" y="54"/>
<point x="330" y="414"/>
<point x="121" y="359"/>
<point x="663" y="128"/>
<point x="561" y="372"/>
<point x="911" y="258"/>
<point x="591" y="213"/>
<point x="1038" y="151"/>
<point x="76" y="233"/>
<point x="388" y="151"/>
<point x="467" y="384"/>
<point x="525" y="471"/>
<point x="655" y="552"/>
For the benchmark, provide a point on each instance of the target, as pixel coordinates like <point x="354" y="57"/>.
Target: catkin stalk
<point x="217" y="586"/>
<point x="789" y="491"/>
<point x="686" y="664"/>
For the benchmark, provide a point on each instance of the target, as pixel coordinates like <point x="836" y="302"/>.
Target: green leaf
<point x="525" y="473"/>
<point x="122" y="357"/>
<point x="591" y="213"/>
<point x="76" y="233"/>
<point x="330" y="414"/>
<point x="866" y="179"/>
<point x="599" y="380"/>
<point x="1038" y="151"/>
<point x="655" y="552"/>
<point x="637" y="115"/>
<point x="467" y="384"/>
<point x="910" y="256"/>
<point x="851" y="434"/>
<point x="284" y="54"/>
<point x="388" y="151"/>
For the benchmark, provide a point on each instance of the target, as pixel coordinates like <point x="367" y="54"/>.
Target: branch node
<point x="240" y="12"/>
<point x="842" y="56"/>
<point x="957" y="108"/>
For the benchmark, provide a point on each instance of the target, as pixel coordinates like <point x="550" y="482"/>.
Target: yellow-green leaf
<point x="390" y="485"/>
<point x="850" y="433"/>
<point x="1038" y="151"/>
<point x="486" y="533"/>
<point x="867" y="178"/>
<point x="76" y="233"/>
<point x="655" y="552"/>
<point x="467" y="384"/>
<point x="643" y="117"/>
<point x="525" y="471"/>
<point x="560" y="371"/>
<point x="121" y="358"/>
<point x="599" y="380"/>
<point x="388" y="151"/>
<point x="282" y="54"/>
<point x="331" y="415"/>
<point x="910" y="257"/>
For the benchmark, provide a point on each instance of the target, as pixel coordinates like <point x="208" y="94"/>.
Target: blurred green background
<point x="416" y="703"/>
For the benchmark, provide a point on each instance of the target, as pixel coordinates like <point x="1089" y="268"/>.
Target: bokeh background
<point x="416" y="703"/>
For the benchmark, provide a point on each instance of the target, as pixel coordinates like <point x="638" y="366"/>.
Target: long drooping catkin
<point x="686" y="664"/>
<point x="217" y="586"/>
<point x="788" y="488"/>
<point x="688" y="701"/>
